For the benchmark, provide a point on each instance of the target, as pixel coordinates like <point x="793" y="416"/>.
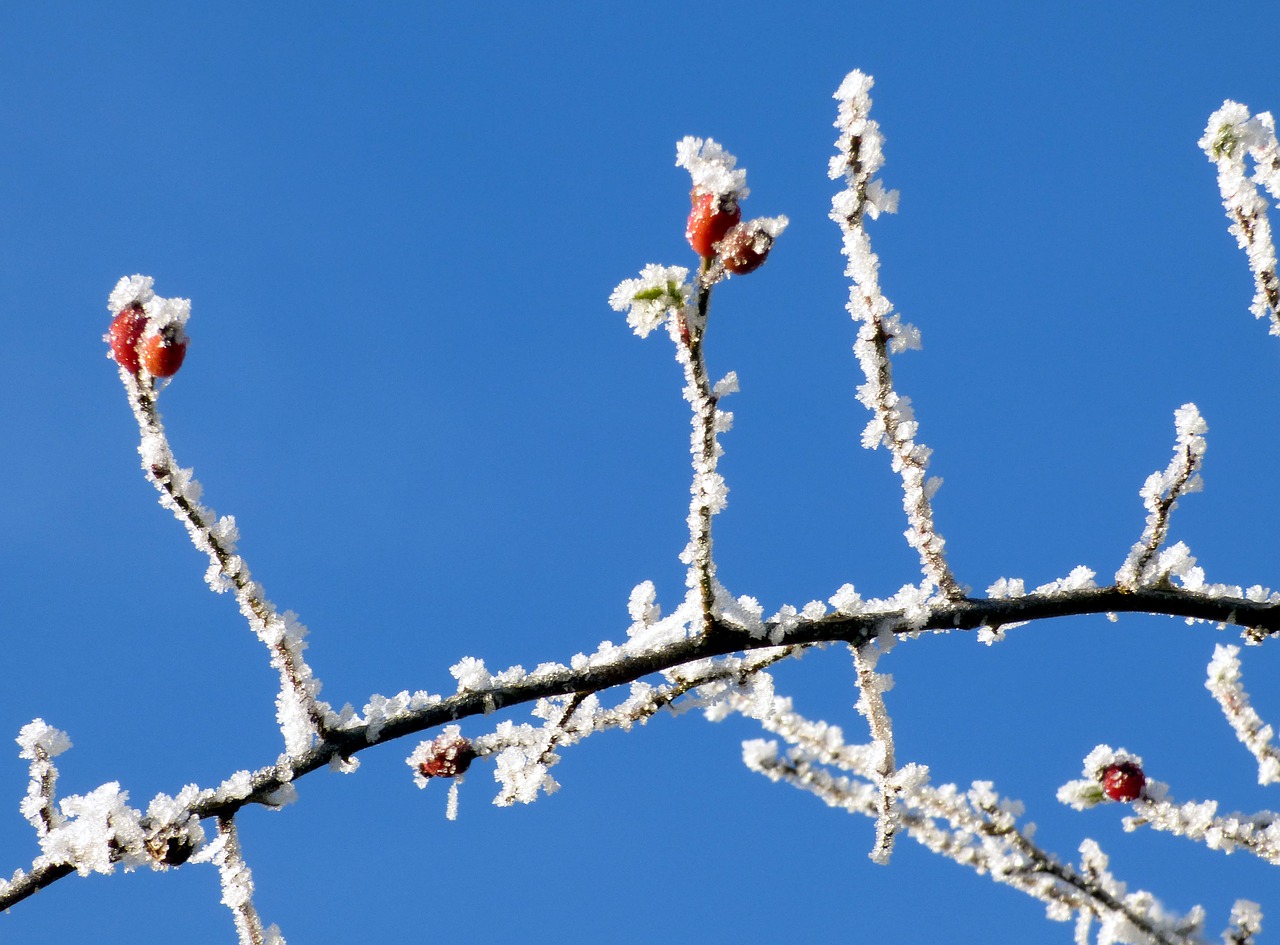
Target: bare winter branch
<point x="714" y="651"/>
<point x="894" y="424"/>
<point x="1225" y="684"/>
<point x="1231" y="135"/>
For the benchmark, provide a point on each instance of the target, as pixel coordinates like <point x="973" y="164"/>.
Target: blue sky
<point x="399" y="225"/>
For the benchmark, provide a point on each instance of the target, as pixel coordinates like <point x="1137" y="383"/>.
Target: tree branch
<point x="261" y="787"/>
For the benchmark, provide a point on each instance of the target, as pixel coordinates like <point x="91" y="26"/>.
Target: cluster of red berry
<point x="161" y="353"/>
<point x="715" y="227"/>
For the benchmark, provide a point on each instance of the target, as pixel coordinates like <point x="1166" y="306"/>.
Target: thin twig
<point x="281" y="634"/>
<point x="237" y="884"/>
<point x="1232" y="133"/>
<point x="894" y="424"/>
<point x="1225" y="684"/>
<point x="707" y="488"/>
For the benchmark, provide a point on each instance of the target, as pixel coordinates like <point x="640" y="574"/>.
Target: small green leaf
<point x="648" y="295"/>
<point x="1092" y="794"/>
<point x="1226" y="141"/>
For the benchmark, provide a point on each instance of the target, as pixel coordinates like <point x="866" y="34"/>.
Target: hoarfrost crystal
<point x="648" y="300"/>
<point x="713" y="169"/>
<point x="130" y="289"/>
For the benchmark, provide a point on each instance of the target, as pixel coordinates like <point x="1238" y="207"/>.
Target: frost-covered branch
<point x="975" y="828"/>
<point x="237" y="886"/>
<point x="95" y="832"/>
<point x="526" y="752"/>
<point x="1079" y="578"/>
<point x="1246" y="922"/>
<point x="1231" y="135"/>
<point x="1117" y="775"/>
<point x="1146" y="563"/>
<point x="1227" y="689"/>
<point x="1200" y="822"/>
<point x="41" y="743"/>
<point x="881" y="331"/>
<point x="871" y="688"/>
<point x="713" y="651"/>
<point x="727" y="246"/>
<point x="661" y="295"/>
<point x="480" y="693"/>
<point x="707" y="490"/>
<point x="302" y="717"/>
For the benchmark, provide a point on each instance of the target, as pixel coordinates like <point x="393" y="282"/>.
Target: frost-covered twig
<point x="1226" y="687"/>
<point x="237" y="886"/>
<point x="1230" y="135"/>
<point x="721" y="183"/>
<point x="1146" y="564"/>
<point x="1246" y="922"/>
<point x="1199" y="821"/>
<point x="41" y="743"/>
<point x="975" y="828"/>
<point x="871" y="688"/>
<point x="882" y="332"/>
<point x="525" y="752"/>
<point x="302" y="717"/>
<point x="708" y="491"/>
<point x="662" y="294"/>
<point x="95" y="832"/>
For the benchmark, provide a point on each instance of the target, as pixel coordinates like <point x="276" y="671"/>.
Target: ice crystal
<point x="713" y="169"/>
<point x="648" y="300"/>
<point x="131" y="289"/>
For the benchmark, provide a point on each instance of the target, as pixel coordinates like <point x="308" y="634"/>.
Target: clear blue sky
<point x="399" y="224"/>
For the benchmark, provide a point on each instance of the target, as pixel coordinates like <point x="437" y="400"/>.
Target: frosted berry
<point x="710" y="219"/>
<point x="1123" y="782"/>
<point x="163" y="354"/>
<point x="171" y="851"/>
<point x="123" y="336"/>
<point x="449" y="756"/>
<point x="745" y="247"/>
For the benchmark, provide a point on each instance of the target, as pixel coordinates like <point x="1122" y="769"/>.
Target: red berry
<point x="163" y="354"/>
<point x="745" y="247"/>
<point x="711" y="217"/>
<point x="1123" y="782"/>
<point x="123" y="335"/>
<point x="449" y="757"/>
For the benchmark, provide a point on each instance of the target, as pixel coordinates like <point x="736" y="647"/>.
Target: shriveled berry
<point x="171" y="851"/>
<point x="123" y="336"/>
<point x="745" y="248"/>
<point x="1123" y="782"/>
<point x="163" y="354"/>
<point x="448" y="757"/>
<point x="710" y="219"/>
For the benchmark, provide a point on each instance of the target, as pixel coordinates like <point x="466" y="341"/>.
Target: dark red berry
<point x="123" y="336"/>
<point x="745" y="247"/>
<point x="449" y="757"/>
<point x="1123" y="782"/>
<point x="710" y="219"/>
<point x="162" y="354"/>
